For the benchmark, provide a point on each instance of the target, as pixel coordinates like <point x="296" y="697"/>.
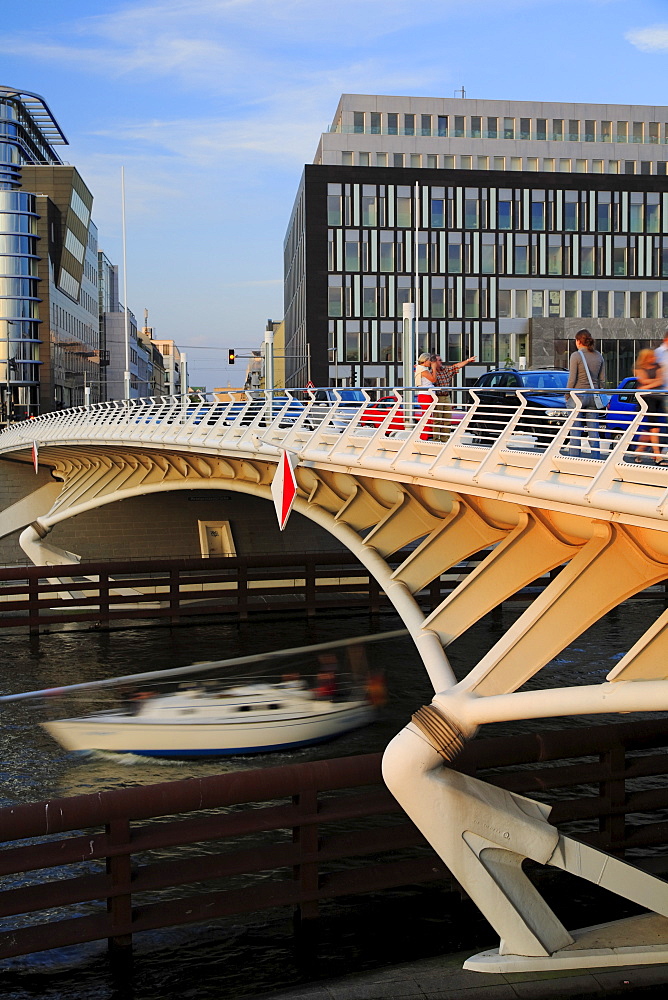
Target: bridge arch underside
<point x="602" y="561"/>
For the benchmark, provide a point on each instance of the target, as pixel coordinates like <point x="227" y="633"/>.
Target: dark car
<point x="546" y="402"/>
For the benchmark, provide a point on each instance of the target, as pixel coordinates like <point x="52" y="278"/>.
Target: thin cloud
<point x="652" y="39"/>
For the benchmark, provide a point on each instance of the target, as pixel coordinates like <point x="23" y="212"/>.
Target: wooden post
<point x="612" y="791"/>
<point x="119" y="905"/>
<point x="306" y="835"/>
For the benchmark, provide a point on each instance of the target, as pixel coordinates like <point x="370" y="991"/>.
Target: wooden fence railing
<point x="119" y="862"/>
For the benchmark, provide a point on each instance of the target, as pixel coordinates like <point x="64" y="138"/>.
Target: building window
<point x="476" y="127"/>
<point x="398" y="159"/>
<point x="443" y="125"/>
<point x="386" y="251"/>
<point x="438" y="213"/>
<point x="541" y="128"/>
<point x="352" y="253"/>
<point x="636" y="214"/>
<point x="438" y="298"/>
<point x="358" y="121"/>
<point x="404" y="212"/>
<point x="488" y="258"/>
<point x="652" y="305"/>
<point x="558" y="129"/>
<point x="654" y="132"/>
<point x="587" y="256"/>
<point x="505" y="210"/>
<point x="471" y="303"/>
<point x="416" y="160"/>
<point x="369" y="208"/>
<point x="347" y="158"/>
<point x="381" y="159"/>
<point x="508" y="128"/>
<point x="590" y="131"/>
<point x="597" y="166"/>
<point x="652" y="213"/>
<point x="492" y="128"/>
<point x="352" y="343"/>
<point x="565" y="165"/>
<point x="459" y="131"/>
<point x="499" y="163"/>
<point x="606" y="131"/>
<point x="425" y="124"/>
<point x="570" y="304"/>
<point x="571" y="212"/>
<point x="532" y="163"/>
<point x="638" y="132"/>
<point x="661" y="167"/>
<point x="622" y="131"/>
<point x="521" y="257"/>
<point x="538" y="210"/>
<point x="573" y="130"/>
<point x="375" y="123"/>
<point x="619" y="304"/>
<point x="525" y="128"/>
<point x="554" y="303"/>
<point x="449" y="162"/>
<point x="645" y="167"/>
<point x="537" y="304"/>
<point x="586" y="304"/>
<point x="629" y="166"/>
<point x="455" y="258"/>
<point x="554" y="256"/>
<point x="619" y="261"/>
<point x="369" y="297"/>
<point x="364" y="159"/>
<point x="613" y="166"/>
<point x="503" y="303"/>
<point x="335" y="296"/>
<point x="471" y="212"/>
<point x="466" y="162"/>
<point x="409" y="124"/>
<point x="515" y="162"/>
<point x="432" y="161"/>
<point x="602" y="305"/>
<point x="548" y="164"/>
<point x="334" y="216"/>
<point x="635" y="305"/>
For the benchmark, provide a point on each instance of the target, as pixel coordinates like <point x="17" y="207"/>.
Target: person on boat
<point x="325" y="686"/>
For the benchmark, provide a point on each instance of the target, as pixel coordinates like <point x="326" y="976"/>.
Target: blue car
<point x="622" y="408"/>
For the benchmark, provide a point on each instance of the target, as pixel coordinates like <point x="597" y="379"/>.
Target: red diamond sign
<point x="284" y="488"/>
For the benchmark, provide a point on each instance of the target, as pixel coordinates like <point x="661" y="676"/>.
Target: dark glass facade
<point x="499" y="265"/>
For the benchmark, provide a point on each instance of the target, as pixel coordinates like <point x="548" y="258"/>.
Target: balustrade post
<point x="119" y="905"/>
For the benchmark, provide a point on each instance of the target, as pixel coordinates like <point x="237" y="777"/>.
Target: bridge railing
<point x="455" y="435"/>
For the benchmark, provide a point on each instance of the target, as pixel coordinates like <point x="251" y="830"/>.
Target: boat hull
<point x="126" y="734"/>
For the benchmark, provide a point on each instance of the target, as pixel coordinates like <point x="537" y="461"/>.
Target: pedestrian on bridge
<point x="444" y="375"/>
<point x="586" y="371"/>
<point x="648" y="371"/>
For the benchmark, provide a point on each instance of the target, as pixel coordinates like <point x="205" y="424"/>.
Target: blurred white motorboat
<point x="199" y="721"/>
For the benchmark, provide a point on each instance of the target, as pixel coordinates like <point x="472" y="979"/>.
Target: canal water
<point x="250" y="956"/>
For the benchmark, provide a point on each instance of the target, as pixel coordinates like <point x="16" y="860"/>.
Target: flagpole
<point x="126" y="377"/>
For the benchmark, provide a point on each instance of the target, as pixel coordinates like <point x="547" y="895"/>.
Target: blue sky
<point x="214" y="106"/>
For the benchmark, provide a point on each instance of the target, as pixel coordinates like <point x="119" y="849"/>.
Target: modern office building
<point x="509" y="225"/>
<point x="49" y="339"/>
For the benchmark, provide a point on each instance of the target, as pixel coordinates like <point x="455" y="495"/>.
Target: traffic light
<point x="230" y="356"/>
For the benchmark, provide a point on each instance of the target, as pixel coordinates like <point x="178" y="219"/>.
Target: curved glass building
<point x="28" y="134"/>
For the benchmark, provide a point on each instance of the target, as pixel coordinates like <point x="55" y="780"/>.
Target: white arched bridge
<point x="532" y="488"/>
